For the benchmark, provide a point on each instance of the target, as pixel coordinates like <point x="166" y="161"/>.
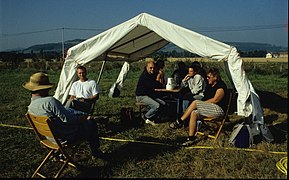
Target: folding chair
<point x="215" y="125"/>
<point x="43" y="127"/>
<point x="140" y="106"/>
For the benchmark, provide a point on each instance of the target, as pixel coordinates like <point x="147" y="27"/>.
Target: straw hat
<point x="38" y="81"/>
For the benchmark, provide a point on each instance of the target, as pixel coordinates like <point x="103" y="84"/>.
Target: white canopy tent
<point x="145" y="34"/>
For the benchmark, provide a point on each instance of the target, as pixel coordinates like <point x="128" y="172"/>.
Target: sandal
<point x="189" y="142"/>
<point x="175" y="125"/>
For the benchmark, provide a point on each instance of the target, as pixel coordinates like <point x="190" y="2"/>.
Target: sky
<point x="24" y="23"/>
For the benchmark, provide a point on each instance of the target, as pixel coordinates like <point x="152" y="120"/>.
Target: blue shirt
<point x="66" y="123"/>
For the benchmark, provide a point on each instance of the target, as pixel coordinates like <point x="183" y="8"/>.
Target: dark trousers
<point x="88" y="131"/>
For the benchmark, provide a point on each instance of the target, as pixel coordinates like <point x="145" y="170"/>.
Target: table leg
<point x="179" y="107"/>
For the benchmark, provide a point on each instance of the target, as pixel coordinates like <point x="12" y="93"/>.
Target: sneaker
<point x="58" y="157"/>
<point x="91" y="118"/>
<point x="189" y="142"/>
<point x="147" y="121"/>
<point x="175" y="125"/>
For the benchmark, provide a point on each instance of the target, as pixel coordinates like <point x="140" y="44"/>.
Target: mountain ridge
<point x="241" y="46"/>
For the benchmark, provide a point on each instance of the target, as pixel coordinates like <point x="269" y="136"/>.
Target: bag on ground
<point x="114" y="91"/>
<point x="241" y="136"/>
<point x="127" y="115"/>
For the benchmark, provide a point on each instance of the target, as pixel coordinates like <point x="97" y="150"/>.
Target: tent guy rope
<point x="165" y="144"/>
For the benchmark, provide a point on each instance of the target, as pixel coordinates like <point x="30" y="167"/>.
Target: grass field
<point x="144" y="151"/>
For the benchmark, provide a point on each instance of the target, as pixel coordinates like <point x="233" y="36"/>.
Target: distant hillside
<point x="241" y="46"/>
<point x="56" y="47"/>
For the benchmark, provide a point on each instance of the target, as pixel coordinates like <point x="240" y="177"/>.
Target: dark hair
<point x="44" y="92"/>
<point x="181" y="65"/>
<point x="82" y="68"/>
<point x="160" y="64"/>
<point x="215" y="72"/>
<point x="197" y="63"/>
<point x="196" y="68"/>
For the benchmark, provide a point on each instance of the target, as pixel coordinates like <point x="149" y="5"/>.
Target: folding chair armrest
<point x="209" y="118"/>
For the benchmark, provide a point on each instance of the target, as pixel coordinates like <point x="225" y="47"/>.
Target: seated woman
<point x="180" y="72"/>
<point x="212" y="105"/>
<point x="193" y="86"/>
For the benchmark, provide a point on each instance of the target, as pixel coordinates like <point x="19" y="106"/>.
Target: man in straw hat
<point x="72" y="128"/>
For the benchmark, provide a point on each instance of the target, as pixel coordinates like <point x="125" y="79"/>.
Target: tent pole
<point x="227" y="71"/>
<point x="101" y="70"/>
<point x="63" y="44"/>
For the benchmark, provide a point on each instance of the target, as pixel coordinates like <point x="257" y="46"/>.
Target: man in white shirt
<point x="83" y="93"/>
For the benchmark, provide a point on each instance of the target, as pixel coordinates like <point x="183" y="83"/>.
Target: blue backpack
<point x="241" y="136"/>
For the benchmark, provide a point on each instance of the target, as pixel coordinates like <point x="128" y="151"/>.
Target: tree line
<point x="17" y="57"/>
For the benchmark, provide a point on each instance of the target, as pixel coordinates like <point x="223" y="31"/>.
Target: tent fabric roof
<point x="143" y="35"/>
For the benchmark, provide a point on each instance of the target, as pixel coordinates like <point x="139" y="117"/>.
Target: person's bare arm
<point x="218" y="96"/>
<point x="160" y="76"/>
<point x="72" y="97"/>
<point x="90" y="99"/>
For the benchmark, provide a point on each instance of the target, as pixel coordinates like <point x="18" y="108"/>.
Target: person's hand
<point x="161" y="72"/>
<point x="187" y="77"/>
<point x="81" y="99"/>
